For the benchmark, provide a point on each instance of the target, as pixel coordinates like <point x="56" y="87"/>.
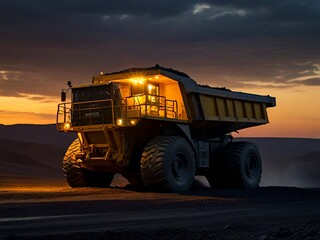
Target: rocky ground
<point x="119" y="213"/>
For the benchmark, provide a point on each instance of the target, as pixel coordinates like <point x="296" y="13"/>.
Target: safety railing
<point x="150" y="105"/>
<point x="63" y="115"/>
<point x="109" y="111"/>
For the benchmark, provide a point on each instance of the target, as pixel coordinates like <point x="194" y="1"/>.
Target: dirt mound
<point x="30" y="159"/>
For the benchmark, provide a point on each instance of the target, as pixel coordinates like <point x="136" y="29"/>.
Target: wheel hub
<point x="251" y="167"/>
<point x="179" y="166"/>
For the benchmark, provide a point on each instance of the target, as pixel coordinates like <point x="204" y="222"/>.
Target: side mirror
<point x="63" y="96"/>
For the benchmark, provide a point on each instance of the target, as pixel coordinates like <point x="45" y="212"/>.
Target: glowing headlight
<point x="133" y="122"/>
<point x="67" y="126"/>
<point x="119" y="122"/>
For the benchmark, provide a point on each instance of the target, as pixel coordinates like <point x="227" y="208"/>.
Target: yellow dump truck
<point x="159" y="128"/>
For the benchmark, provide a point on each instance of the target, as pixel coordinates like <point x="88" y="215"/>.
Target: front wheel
<point x="80" y="177"/>
<point x="168" y="164"/>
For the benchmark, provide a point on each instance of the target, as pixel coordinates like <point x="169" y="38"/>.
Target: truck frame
<point x="158" y="128"/>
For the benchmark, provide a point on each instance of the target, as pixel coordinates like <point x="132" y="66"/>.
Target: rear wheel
<point x="239" y="165"/>
<point x="168" y="164"/>
<point x="80" y="177"/>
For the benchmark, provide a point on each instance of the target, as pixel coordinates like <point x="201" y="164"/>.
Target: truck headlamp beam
<point x="66" y="126"/>
<point x="119" y="122"/>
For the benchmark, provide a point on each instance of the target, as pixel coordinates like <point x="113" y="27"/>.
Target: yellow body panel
<point x="233" y="110"/>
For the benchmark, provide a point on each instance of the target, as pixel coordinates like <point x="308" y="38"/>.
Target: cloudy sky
<point x="266" y="47"/>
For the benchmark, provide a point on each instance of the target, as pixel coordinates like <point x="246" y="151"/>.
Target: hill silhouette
<point x="46" y="134"/>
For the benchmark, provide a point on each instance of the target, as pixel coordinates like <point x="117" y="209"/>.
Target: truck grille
<point x="92" y="113"/>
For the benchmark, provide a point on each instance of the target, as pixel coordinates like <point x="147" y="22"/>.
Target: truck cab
<point x="121" y="101"/>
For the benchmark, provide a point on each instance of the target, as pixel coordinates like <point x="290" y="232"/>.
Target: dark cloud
<point x="45" y="43"/>
<point x="64" y="22"/>
<point x="315" y="81"/>
<point x="36" y="8"/>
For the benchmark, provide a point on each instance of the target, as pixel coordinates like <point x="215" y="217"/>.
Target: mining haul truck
<point x="159" y="128"/>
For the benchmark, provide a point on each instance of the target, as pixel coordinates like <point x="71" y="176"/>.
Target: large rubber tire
<point x="80" y="177"/>
<point x="238" y="166"/>
<point x="168" y="164"/>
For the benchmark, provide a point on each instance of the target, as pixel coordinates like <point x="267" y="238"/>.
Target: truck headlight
<point x="133" y="122"/>
<point x="119" y="122"/>
<point x="66" y="126"/>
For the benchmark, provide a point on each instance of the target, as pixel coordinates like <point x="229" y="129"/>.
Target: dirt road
<point x="64" y="213"/>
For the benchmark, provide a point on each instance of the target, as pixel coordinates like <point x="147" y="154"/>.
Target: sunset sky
<point x="266" y="47"/>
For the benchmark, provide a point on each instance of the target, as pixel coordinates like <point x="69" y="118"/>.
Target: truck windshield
<point x="95" y="93"/>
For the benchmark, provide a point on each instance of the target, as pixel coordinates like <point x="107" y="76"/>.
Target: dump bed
<point x="216" y="111"/>
<point x="220" y="111"/>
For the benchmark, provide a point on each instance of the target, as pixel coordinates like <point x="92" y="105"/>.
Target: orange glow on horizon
<point x="297" y="113"/>
<point x="19" y="110"/>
